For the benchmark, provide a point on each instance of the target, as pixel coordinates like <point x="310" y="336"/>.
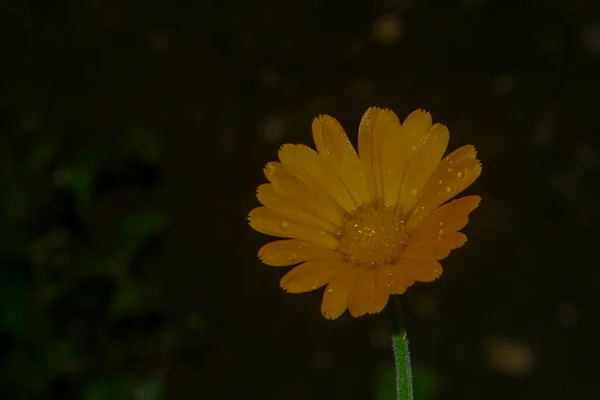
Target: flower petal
<point x="430" y="249"/>
<point x="311" y="275"/>
<point x="455" y="173"/>
<point x="449" y="218"/>
<point x="282" y="253"/>
<point x="266" y="221"/>
<point x="309" y="166"/>
<point x="419" y="270"/>
<point x="415" y="126"/>
<point x="289" y="208"/>
<point x="393" y="156"/>
<point x="273" y="167"/>
<point x="369" y="294"/>
<point x="339" y="155"/>
<point x="335" y="297"/>
<point x="311" y="198"/>
<point x="422" y="161"/>
<point x="397" y="282"/>
<point x="368" y="153"/>
<point x="454" y="240"/>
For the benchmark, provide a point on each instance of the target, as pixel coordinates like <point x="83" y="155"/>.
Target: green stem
<point x="404" y="390"/>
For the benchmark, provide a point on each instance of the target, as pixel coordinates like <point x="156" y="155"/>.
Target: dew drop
<point x="284" y="224"/>
<point x="449" y="169"/>
<point x="314" y="287"/>
<point x="329" y="291"/>
<point x="388" y="171"/>
<point x="440" y="182"/>
<point x="460" y="174"/>
<point x="414" y="191"/>
<point x="441" y="223"/>
<point x="449" y="189"/>
<point x="441" y="231"/>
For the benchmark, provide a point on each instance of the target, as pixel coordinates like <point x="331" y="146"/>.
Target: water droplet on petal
<point x="414" y="191"/>
<point x="388" y="171"/>
<point x="440" y="182"/>
<point x="449" y="169"/>
<point x="314" y="287"/>
<point x="329" y="291"/>
<point x="441" y="231"/>
<point x="449" y="189"/>
<point x="460" y="174"/>
<point x="284" y="224"/>
<point x="441" y="223"/>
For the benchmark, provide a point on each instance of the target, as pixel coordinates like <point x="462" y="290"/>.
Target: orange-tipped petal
<point x="396" y="280"/>
<point x="339" y="155"/>
<point x="291" y="209"/>
<point x="431" y="249"/>
<point x="455" y="173"/>
<point x="449" y="218"/>
<point x="282" y="253"/>
<point x="311" y="275"/>
<point x="393" y="156"/>
<point x="415" y="126"/>
<point x="454" y="240"/>
<point x="367" y="152"/>
<point x="422" y="162"/>
<point x="309" y="198"/>
<point x="369" y="294"/>
<point x="269" y="222"/>
<point x="420" y="270"/>
<point x="335" y="297"/>
<point x="272" y="168"/>
<point x="310" y="167"/>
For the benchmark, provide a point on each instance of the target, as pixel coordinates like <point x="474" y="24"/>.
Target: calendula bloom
<point x="371" y="224"/>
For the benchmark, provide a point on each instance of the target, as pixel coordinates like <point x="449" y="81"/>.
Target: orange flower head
<point x="371" y="224"/>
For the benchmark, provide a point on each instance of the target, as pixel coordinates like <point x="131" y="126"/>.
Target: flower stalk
<point x="404" y="389"/>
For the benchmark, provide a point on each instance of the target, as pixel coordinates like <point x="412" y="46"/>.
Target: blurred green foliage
<point x="76" y="318"/>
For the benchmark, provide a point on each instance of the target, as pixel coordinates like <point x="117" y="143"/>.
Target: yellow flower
<point x="370" y="224"/>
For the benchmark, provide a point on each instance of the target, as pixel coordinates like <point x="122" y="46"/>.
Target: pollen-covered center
<point x="372" y="236"/>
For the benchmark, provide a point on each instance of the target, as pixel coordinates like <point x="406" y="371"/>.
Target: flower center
<point x="372" y="236"/>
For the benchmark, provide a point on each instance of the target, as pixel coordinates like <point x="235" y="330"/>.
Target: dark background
<point x="133" y="136"/>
